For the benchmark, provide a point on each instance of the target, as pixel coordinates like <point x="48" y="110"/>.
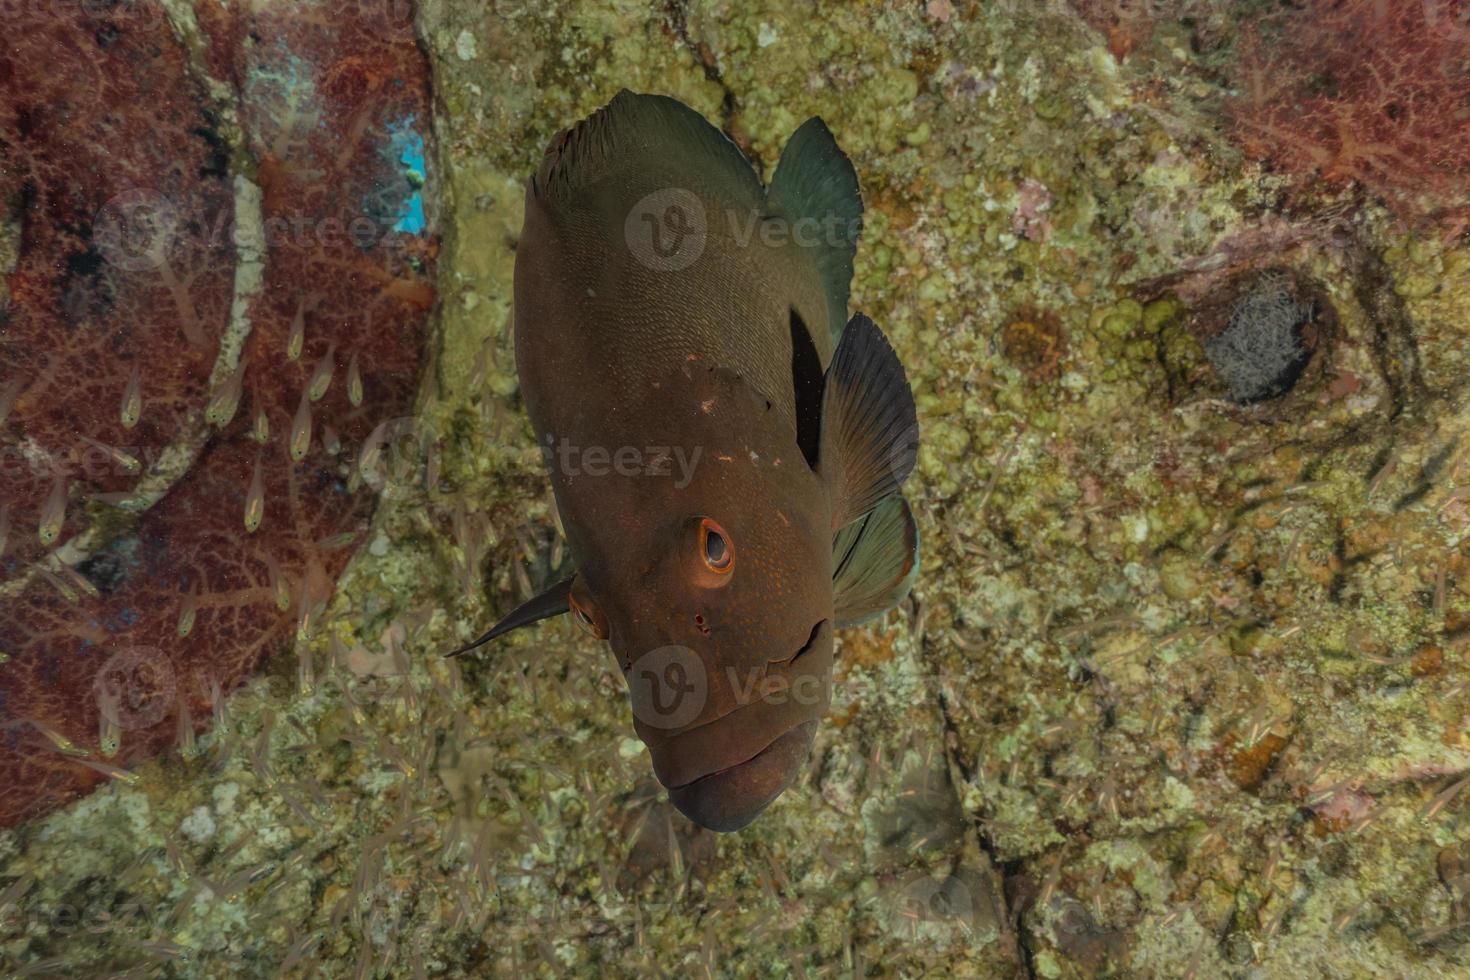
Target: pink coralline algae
<point x="202" y="326"/>
<point x="1032" y="217"/>
<point x="1372" y="91"/>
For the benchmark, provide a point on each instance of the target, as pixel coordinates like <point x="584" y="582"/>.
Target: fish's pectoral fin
<point x="816" y="182"/>
<point x="870" y="429"/>
<point x="875" y="561"/>
<point x="551" y="602"/>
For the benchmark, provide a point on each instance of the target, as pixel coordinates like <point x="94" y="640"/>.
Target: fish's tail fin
<point x="816" y="188"/>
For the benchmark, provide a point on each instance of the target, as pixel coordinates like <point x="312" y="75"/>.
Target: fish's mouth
<point x="806" y="647"/>
<point x="724" y="770"/>
<point x="730" y="798"/>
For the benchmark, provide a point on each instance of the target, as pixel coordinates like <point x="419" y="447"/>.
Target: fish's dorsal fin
<point x="815" y="180"/>
<point x="875" y="561"/>
<point x="645" y="137"/>
<point x="551" y="602"/>
<point x="870" y="430"/>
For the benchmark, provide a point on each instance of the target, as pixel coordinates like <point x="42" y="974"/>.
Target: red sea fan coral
<point x="201" y="330"/>
<point x="1374" y="91"/>
<point x="84" y="313"/>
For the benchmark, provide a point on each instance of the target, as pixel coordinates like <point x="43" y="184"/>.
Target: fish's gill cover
<point x="217" y="273"/>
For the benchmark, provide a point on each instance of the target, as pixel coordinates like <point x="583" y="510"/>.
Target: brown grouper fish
<point x="726" y="447"/>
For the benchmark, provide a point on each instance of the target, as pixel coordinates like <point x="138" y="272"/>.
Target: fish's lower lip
<point x="730" y="798"/>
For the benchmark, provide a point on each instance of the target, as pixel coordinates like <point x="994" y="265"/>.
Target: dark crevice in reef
<point x="1013" y="937"/>
<point x="704" y="55"/>
<point x="1161" y="357"/>
<point x="1394" y="346"/>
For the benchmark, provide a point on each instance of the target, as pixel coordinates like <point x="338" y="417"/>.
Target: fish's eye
<point x="715" y="547"/>
<point x="587" y="617"/>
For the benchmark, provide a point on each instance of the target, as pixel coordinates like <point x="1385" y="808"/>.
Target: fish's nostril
<point x="700" y="623"/>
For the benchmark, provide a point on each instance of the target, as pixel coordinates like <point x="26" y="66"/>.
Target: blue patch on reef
<point x="122" y="622"/>
<point x="408" y="150"/>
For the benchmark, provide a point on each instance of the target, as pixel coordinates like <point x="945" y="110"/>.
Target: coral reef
<point x="1182" y="688"/>
<point x="204" y="326"/>
<point x="1127" y="24"/>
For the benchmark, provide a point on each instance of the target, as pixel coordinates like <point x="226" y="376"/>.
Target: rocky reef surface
<point x="1182" y="688"/>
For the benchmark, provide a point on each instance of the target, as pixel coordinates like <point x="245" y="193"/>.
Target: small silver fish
<point x="53" y="512"/>
<point x="188" y="609"/>
<point x="131" y="409"/>
<point x="255" y="499"/>
<point x="354" y="381"/>
<point x="129" y="464"/>
<point x="296" y="339"/>
<point x="301" y="429"/>
<point x="220" y="410"/>
<point x="321" y="378"/>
